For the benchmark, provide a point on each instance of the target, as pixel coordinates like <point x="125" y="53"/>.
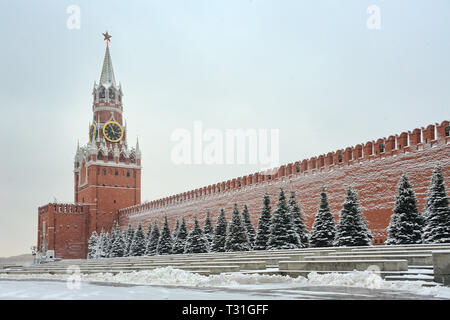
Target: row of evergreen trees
<point x="285" y="227"/>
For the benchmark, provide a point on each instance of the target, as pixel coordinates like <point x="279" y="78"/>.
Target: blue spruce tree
<point x="237" y="239"/>
<point x="220" y="233"/>
<point x="263" y="232"/>
<point x="165" y="240"/>
<point x="352" y="227"/>
<point x="323" y="229"/>
<point x="282" y="232"/>
<point x="437" y="211"/>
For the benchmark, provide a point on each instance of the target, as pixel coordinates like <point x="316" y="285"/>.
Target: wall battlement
<point x="405" y="142"/>
<point x="64" y="208"/>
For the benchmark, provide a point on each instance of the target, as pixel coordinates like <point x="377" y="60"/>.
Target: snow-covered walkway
<point x="175" y="284"/>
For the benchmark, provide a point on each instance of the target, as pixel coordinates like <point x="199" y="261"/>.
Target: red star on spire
<point x="107" y="37"/>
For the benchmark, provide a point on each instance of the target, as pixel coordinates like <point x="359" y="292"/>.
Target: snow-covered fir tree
<point x="408" y="223"/>
<point x="152" y="243"/>
<point x="251" y="233"/>
<point x="263" y="232"/>
<point x="117" y="243"/>
<point x="138" y="244"/>
<point x="323" y="230"/>
<point x="148" y="235"/>
<point x="220" y="233"/>
<point x="165" y="243"/>
<point x="180" y="240"/>
<point x="93" y="246"/>
<point x="103" y="244"/>
<point x="392" y="231"/>
<point x="128" y="240"/>
<point x="352" y="227"/>
<point x="208" y="229"/>
<point x="298" y="221"/>
<point x="175" y="231"/>
<point x="196" y="241"/>
<point x="282" y="232"/>
<point x="112" y="238"/>
<point x="237" y="239"/>
<point x="437" y="211"/>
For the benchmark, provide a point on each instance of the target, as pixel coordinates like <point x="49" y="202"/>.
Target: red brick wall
<point x="66" y="229"/>
<point x="373" y="174"/>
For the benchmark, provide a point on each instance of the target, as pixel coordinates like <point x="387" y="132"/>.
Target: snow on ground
<point x="222" y="286"/>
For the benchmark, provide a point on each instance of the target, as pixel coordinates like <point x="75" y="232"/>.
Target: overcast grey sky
<point x="311" y="69"/>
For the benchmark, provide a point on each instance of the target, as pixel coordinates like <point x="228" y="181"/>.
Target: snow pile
<point x="170" y="276"/>
<point x="362" y="279"/>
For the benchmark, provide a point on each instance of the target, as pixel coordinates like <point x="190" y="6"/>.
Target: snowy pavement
<point x="175" y="284"/>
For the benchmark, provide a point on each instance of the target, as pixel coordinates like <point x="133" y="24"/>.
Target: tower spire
<point x="107" y="76"/>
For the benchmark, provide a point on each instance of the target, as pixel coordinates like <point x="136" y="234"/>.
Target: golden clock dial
<point x="113" y="131"/>
<point x="93" y="133"/>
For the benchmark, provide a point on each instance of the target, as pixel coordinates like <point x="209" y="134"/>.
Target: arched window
<point x="122" y="158"/>
<point x="104" y="172"/>
<point x="381" y="147"/>
<point x="110" y="157"/>
<point x="100" y="156"/>
<point x="111" y="93"/>
<point x="102" y="93"/>
<point x="447" y="131"/>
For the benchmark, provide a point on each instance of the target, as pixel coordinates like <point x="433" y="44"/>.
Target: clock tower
<point x="107" y="171"/>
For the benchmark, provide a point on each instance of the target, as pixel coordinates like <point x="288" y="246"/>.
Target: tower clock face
<point x="112" y="131"/>
<point x="93" y="132"/>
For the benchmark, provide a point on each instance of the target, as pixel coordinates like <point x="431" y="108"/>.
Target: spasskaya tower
<point x="107" y="171"/>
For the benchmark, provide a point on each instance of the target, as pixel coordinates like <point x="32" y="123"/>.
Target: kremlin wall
<point x="373" y="169"/>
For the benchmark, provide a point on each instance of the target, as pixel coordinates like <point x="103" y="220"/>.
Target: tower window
<point x="104" y="172"/>
<point x="114" y="201"/>
<point x="447" y="131"/>
<point x="111" y="93"/>
<point x="340" y="157"/>
<point x="297" y="168"/>
<point x="102" y="93"/>
<point x="128" y="173"/>
<point x="381" y="147"/>
<point x="117" y="172"/>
